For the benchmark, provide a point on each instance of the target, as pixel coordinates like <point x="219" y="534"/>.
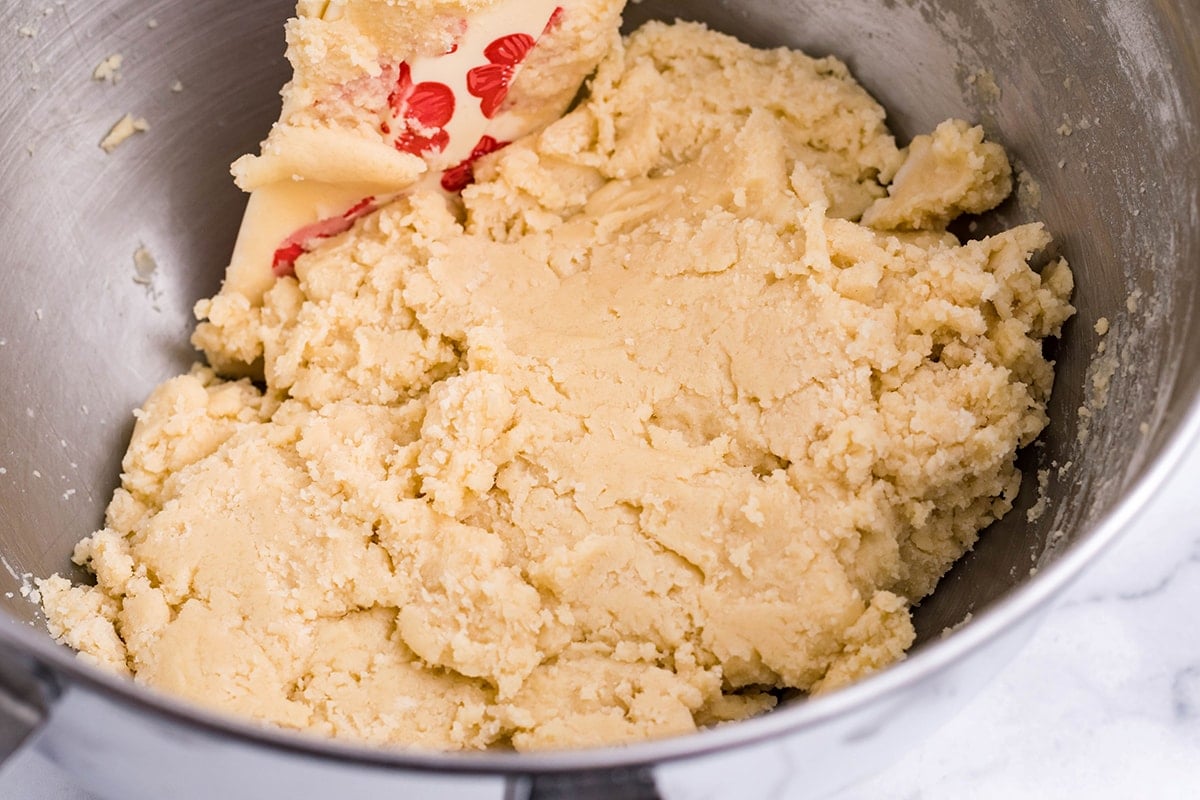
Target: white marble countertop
<point x="1103" y="703"/>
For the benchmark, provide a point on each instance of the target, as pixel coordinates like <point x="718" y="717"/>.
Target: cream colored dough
<point x="649" y="427"/>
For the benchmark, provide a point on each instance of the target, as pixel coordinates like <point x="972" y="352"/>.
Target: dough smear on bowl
<point x="686" y="401"/>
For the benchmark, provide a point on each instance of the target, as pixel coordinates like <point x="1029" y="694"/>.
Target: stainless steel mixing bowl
<point x="1099" y="103"/>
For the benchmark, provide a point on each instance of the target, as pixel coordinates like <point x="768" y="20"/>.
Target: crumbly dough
<point x="126" y="128"/>
<point x="648" y="428"/>
<point x="109" y="70"/>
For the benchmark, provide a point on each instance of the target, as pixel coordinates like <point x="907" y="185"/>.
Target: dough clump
<point x="649" y="427"/>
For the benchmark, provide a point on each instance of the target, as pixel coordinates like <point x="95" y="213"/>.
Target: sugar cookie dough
<point x="686" y="401"/>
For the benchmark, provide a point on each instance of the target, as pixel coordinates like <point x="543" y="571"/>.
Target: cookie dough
<point x="686" y="401"/>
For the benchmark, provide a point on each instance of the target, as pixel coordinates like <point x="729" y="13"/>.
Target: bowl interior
<point x="1099" y="110"/>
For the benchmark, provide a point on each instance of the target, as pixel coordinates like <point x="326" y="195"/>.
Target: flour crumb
<point x="28" y="590"/>
<point x="1144" y="429"/>
<point x="1065" y="129"/>
<point x="109" y="70"/>
<point x="1084" y="431"/>
<point x="144" y="266"/>
<point x="1104" y="369"/>
<point x="1029" y="191"/>
<point x="151" y="23"/>
<point x="27" y="32"/>
<point x="958" y="626"/>
<point x="1131" y="302"/>
<point x="28" y="587"/>
<point x="177" y="87"/>
<point x="1102" y="326"/>
<point x="986" y="88"/>
<point x="1038" y="509"/>
<point x="125" y="128"/>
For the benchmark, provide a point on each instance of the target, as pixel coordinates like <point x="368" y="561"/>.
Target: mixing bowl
<point x="1098" y="102"/>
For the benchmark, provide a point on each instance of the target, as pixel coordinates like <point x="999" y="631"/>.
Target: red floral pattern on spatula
<point x="555" y="21"/>
<point x="425" y="109"/>
<point x="460" y="177"/>
<point x="307" y="238"/>
<point x="490" y="82"/>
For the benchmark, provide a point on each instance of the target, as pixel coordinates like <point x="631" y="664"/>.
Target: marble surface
<point x="1103" y="703"/>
